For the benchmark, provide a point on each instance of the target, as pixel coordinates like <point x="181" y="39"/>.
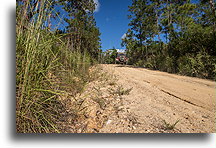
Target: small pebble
<point x="108" y="122"/>
<point x="133" y="127"/>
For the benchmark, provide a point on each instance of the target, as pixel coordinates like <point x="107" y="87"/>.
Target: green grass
<point x="45" y="69"/>
<point x="169" y="126"/>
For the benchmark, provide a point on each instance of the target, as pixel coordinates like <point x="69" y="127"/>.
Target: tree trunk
<point x="214" y="13"/>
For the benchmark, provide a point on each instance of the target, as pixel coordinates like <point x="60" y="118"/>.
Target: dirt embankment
<point x="93" y="108"/>
<point x="158" y="100"/>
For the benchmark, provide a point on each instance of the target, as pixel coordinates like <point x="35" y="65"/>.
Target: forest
<point x="173" y="36"/>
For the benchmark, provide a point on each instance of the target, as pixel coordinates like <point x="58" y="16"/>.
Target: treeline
<point x="173" y="36"/>
<point x="108" y="56"/>
<point x="52" y="62"/>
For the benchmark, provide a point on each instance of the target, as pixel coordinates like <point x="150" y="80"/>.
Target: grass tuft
<point x="46" y="69"/>
<point x="168" y="126"/>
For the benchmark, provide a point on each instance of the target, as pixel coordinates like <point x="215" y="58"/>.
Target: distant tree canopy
<point x="109" y="56"/>
<point x="84" y="35"/>
<point x="173" y="36"/>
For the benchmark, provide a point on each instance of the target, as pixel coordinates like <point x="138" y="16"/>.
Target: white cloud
<point x="123" y="36"/>
<point x="97" y="5"/>
<point x="121" y="50"/>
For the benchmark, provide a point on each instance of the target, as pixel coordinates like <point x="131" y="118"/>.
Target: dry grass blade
<point x="46" y="68"/>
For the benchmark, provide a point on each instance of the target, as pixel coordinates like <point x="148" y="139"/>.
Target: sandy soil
<point x="158" y="100"/>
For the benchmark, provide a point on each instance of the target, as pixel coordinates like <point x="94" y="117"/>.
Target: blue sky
<point x="111" y="18"/>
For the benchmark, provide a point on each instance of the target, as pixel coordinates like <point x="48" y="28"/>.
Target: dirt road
<point x="158" y="100"/>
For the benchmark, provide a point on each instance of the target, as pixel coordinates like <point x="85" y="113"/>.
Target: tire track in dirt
<point x="179" y="98"/>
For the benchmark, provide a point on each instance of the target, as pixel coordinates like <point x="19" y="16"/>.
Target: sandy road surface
<point x="158" y="96"/>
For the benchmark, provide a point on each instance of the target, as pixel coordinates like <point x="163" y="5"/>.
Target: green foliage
<point x="200" y="65"/>
<point x="83" y="33"/>
<point x="109" y="56"/>
<point x="189" y="30"/>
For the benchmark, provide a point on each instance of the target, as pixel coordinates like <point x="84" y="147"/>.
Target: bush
<point x="200" y="65"/>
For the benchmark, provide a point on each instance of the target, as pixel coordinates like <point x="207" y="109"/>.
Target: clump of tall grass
<point x="45" y="69"/>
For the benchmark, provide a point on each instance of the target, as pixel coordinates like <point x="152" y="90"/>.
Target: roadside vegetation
<point x="168" y="126"/>
<point x="108" y="56"/>
<point x="173" y="36"/>
<point x="52" y="62"/>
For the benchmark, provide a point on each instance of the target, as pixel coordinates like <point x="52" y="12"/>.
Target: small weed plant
<point x="168" y="126"/>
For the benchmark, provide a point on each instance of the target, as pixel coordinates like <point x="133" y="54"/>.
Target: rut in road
<point x="158" y="98"/>
<point x="179" y="98"/>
